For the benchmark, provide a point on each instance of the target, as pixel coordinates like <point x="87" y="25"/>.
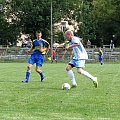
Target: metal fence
<point x="15" y="53"/>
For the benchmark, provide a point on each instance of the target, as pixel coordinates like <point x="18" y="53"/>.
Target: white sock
<point x="71" y="77"/>
<point x="88" y="75"/>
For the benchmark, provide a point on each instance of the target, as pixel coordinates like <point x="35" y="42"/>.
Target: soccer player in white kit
<point x="78" y="61"/>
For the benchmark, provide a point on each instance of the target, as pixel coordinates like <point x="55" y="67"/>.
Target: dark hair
<point x="70" y="22"/>
<point x="38" y="31"/>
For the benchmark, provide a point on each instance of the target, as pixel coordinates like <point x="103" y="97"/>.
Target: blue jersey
<point x="37" y="56"/>
<point x="100" y="52"/>
<point x="37" y="44"/>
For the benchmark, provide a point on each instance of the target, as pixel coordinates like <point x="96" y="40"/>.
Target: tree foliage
<point x="97" y="19"/>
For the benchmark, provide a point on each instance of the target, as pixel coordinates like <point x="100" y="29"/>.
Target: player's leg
<point x="31" y="61"/>
<point x="56" y="59"/>
<point x="88" y="75"/>
<point x="80" y="65"/>
<point x="39" y="63"/>
<point x="101" y="61"/>
<point x="71" y="74"/>
<point x="40" y="73"/>
<point x="27" y="73"/>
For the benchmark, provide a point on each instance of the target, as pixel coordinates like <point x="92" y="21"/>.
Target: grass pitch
<point x="46" y="101"/>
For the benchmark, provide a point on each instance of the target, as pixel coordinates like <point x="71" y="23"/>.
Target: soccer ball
<point x="66" y="86"/>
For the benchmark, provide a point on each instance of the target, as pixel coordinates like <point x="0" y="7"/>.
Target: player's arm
<point x="31" y="49"/>
<point x="71" y="46"/>
<point x="45" y="47"/>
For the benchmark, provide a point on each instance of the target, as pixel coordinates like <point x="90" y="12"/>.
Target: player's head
<point x="38" y="34"/>
<point x="68" y="34"/>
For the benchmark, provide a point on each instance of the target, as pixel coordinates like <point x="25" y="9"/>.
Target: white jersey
<point x="79" y="51"/>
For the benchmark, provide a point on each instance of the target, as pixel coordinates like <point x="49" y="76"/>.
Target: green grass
<point x="46" y="100"/>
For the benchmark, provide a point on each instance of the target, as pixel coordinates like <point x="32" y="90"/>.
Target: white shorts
<point x="77" y="63"/>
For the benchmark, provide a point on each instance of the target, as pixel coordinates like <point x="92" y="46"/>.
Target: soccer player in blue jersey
<point x="100" y="55"/>
<point x="38" y="49"/>
<point x="78" y="61"/>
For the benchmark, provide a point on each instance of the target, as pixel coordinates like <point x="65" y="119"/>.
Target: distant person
<point x="101" y="56"/>
<point x="54" y="56"/>
<point x="88" y="43"/>
<point x="24" y="43"/>
<point x="78" y="61"/>
<point x="39" y="48"/>
<point x="24" y="39"/>
<point x="29" y="44"/>
<point x="111" y="44"/>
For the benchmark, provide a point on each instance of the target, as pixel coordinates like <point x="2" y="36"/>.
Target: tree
<point x="96" y="19"/>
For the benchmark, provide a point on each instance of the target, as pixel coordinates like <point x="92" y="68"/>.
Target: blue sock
<point x="41" y="75"/>
<point x="27" y="75"/>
